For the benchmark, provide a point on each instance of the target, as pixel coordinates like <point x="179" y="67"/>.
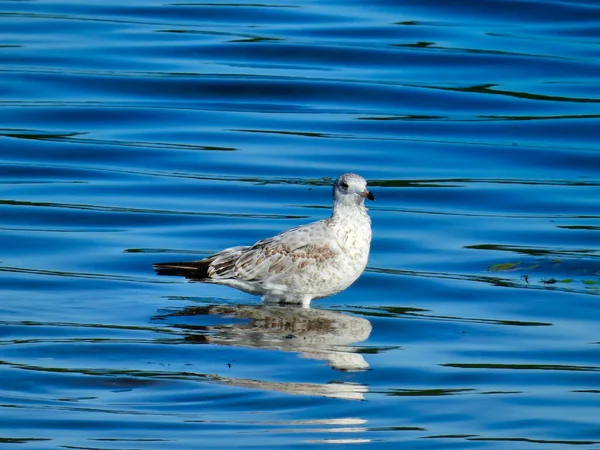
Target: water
<point x="139" y="132"/>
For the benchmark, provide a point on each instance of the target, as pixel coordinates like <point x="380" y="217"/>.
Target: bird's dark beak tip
<point x="370" y="196"/>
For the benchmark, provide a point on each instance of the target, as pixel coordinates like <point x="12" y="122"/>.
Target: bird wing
<point x="296" y="248"/>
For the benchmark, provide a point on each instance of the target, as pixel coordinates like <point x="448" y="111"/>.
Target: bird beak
<point x="367" y="194"/>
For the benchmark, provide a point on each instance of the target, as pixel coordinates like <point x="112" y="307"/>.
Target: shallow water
<point x="150" y="131"/>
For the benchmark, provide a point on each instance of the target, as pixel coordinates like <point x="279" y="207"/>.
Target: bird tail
<point x="194" y="270"/>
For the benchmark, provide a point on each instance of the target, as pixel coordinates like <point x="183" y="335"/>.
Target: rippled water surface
<point x="146" y="131"/>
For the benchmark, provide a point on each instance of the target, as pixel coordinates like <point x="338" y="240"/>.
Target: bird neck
<point x="348" y="207"/>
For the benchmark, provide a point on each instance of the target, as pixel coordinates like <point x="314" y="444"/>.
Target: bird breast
<point x="353" y="236"/>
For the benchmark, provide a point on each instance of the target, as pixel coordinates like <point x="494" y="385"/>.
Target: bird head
<point x="350" y="187"/>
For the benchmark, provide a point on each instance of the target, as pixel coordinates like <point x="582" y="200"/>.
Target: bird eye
<point x="344" y="185"/>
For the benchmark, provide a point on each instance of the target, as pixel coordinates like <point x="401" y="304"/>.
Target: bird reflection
<point x="315" y="334"/>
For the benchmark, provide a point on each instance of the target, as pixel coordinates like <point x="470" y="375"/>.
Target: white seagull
<point x="301" y="264"/>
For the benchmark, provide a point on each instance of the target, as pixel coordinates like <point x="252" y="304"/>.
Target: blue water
<point x="141" y="132"/>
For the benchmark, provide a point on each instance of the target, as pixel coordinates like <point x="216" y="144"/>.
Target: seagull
<point x="304" y="263"/>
